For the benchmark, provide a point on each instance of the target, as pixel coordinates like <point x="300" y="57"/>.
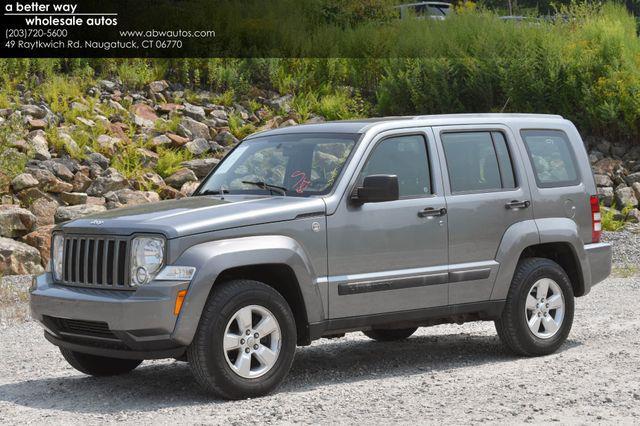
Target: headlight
<point x="56" y="256"/>
<point x="147" y="257"/>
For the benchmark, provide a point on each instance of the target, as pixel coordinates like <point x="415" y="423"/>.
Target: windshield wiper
<point x="271" y="188"/>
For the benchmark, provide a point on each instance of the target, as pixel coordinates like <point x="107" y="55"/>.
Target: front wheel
<point x="100" y="366"/>
<point x="538" y="312"/>
<point x="245" y="342"/>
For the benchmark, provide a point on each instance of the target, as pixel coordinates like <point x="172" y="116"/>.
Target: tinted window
<point x="302" y="164"/>
<point x="405" y="157"/>
<point x="551" y="157"/>
<point x="478" y="161"/>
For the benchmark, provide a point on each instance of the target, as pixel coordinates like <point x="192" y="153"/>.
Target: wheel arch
<point x="552" y="238"/>
<point x="266" y="258"/>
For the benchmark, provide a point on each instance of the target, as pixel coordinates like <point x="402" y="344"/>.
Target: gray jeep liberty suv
<point x="312" y="231"/>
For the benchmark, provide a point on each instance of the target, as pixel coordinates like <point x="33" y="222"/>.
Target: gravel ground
<point x="444" y="374"/>
<point x="626" y="249"/>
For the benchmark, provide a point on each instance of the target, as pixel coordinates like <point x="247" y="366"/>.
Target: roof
<point x="361" y="126"/>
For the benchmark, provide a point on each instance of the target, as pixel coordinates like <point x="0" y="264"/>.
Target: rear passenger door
<point x="486" y="192"/>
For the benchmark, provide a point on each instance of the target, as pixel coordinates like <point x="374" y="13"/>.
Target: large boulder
<point x="201" y="167"/>
<point x="111" y="180"/>
<point x="129" y="197"/>
<point x="38" y="144"/>
<point x="158" y="86"/>
<point x="144" y="115"/>
<point x="603" y="180"/>
<point x="148" y="158"/>
<point x="48" y="182"/>
<point x="67" y="213"/>
<point x="606" y="195"/>
<point x="198" y="146"/>
<point x="81" y="182"/>
<point x="58" y="168"/>
<point x="194" y="111"/>
<point x="44" y="210"/>
<point x="193" y="129"/>
<point x="608" y="166"/>
<point x="636" y="189"/>
<point x="40" y="239"/>
<point x="225" y="138"/>
<point x="181" y="177"/>
<point x="15" y="221"/>
<point x="34" y="111"/>
<point x="74" y="198"/>
<point x="625" y="197"/>
<point x="18" y="258"/>
<point x="633" y="178"/>
<point x="189" y="188"/>
<point x="23" y="181"/>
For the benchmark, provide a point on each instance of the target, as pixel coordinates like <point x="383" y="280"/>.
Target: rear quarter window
<point x="551" y="157"/>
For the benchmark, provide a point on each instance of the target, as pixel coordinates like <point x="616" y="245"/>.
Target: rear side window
<point x="552" y="158"/>
<point x="478" y="161"/>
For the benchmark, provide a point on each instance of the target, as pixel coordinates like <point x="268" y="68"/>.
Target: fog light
<point x="142" y="275"/>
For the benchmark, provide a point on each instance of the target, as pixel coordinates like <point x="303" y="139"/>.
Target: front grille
<point x="91" y="261"/>
<point x="81" y="328"/>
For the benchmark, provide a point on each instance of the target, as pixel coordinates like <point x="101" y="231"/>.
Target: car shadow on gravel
<point x="159" y="385"/>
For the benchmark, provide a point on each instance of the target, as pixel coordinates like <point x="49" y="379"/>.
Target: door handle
<point x="515" y="204"/>
<point x="431" y="212"/>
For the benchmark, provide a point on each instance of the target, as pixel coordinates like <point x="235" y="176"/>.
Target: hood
<point x="178" y="218"/>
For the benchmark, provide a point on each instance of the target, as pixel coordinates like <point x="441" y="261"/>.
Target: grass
<point x="170" y="160"/>
<point x="170" y="125"/>
<point x="625" y="271"/>
<point x="238" y="129"/>
<point x="60" y="91"/>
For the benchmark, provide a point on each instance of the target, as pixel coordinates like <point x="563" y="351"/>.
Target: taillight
<point x="596" y="219"/>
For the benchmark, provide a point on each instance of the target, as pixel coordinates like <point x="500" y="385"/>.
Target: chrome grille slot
<point x="96" y="262"/>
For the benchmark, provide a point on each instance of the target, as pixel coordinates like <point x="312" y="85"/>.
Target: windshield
<point x="293" y="165"/>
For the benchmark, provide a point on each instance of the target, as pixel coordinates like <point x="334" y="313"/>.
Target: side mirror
<point x="377" y="189"/>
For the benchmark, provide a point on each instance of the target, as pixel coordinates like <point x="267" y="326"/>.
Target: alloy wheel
<point x="252" y="341"/>
<point x="544" y="308"/>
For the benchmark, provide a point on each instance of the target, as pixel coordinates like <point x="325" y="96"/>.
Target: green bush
<point x="584" y="67"/>
<point x="170" y="160"/>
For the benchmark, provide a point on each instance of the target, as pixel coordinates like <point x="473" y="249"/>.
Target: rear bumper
<point x="121" y="324"/>
<point x="599" y="260"/>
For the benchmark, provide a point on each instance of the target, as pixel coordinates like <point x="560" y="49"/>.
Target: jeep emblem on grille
<point x="97" y="222"/>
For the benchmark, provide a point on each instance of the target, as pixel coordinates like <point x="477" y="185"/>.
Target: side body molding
<point x="212" y="258"/>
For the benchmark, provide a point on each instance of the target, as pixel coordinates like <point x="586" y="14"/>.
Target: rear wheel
<point x="389" y="335"/>
<point x="538" y="313"/>
<point x="245" y="342"/>
<point x="94" y="365"/>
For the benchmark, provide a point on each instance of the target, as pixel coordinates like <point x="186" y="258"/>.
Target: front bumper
<point x="599" y="260"/>
<point x="122" y="324"/>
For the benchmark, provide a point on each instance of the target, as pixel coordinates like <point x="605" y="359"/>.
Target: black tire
<point x="512" y="326"/>
<point x="389" y="335"/>
<point x="99" y="366"/>
<point x="206" y="355"/>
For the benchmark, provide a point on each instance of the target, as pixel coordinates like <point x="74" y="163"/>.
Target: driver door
<point x="391" y="256"/>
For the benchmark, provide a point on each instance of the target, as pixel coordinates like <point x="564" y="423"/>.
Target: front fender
<point x="212" y="258"/>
